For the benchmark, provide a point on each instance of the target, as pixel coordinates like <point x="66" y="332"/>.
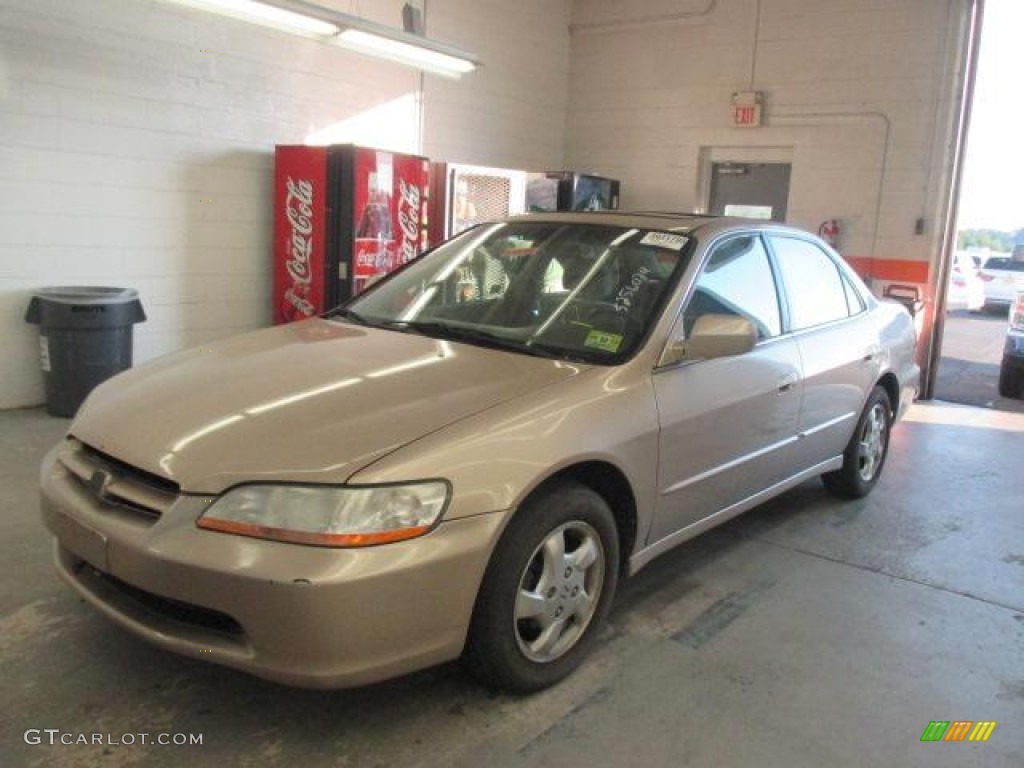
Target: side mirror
<point x="713" y="336"/>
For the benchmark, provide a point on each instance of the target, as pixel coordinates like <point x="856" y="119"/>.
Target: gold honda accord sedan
<point x="465" y="459"/>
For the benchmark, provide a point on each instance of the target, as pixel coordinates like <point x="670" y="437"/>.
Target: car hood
<point x="309" y="402"/>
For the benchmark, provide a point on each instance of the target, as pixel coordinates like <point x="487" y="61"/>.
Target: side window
<point x="814" y="286"/>
<point x="854" y="301"/>
<point x="737" y="280"/>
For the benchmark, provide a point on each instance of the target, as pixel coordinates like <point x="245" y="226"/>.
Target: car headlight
<point x="329" y="516"/>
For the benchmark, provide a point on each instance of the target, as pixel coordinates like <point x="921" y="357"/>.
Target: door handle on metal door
<point x="787" y="382"/>
<point x="870" y="355"/>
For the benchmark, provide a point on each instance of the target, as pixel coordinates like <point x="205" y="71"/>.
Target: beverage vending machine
<point x="342" y="215"/>
<point x="571" y="191"/>
<point x="464" y="195"/>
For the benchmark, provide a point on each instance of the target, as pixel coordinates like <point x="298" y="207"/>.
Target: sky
<point x="992" y="195"/>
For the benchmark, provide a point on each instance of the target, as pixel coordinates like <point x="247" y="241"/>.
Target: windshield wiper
<point x="349" y="314"/>
<point x="556" y="353"/>
<point x="485" y="338"/>
<point x="454" y="332"/>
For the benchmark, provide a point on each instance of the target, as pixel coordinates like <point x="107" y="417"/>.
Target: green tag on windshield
<point x="609" y="342"/>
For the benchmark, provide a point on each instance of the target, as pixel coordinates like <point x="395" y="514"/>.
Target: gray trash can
<point x="85" y="337"/>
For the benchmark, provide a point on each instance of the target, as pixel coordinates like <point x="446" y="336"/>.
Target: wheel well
<point x="607" y="481"/>
<point x="891" y="386"/>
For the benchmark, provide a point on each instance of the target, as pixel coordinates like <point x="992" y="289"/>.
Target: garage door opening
<point x="986" y="259"/>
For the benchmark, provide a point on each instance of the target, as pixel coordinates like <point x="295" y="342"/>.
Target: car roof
<point x="684" y="223"/>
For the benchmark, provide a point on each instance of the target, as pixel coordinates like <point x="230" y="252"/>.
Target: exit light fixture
<point x="335" y="28"/>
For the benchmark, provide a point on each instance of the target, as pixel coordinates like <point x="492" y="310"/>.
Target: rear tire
<point x="1010" y="381"/>
<point x="865" y="454"/>
<point x="546" y="591"/>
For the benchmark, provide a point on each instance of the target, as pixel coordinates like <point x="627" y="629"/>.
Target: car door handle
<point x="869" y="356"/>
<point x="788" y="382"/>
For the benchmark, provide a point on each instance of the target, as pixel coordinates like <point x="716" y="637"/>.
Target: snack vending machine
<point x="464" y="195"/>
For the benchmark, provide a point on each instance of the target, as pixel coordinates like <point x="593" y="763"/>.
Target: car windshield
<point x="574" y="291"/>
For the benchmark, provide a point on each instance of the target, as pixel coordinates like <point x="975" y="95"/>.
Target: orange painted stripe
<point x="861" y="265"/>
<point x="902" y="270"/>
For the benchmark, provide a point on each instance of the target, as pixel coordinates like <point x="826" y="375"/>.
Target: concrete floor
<point x="806" y="633"/>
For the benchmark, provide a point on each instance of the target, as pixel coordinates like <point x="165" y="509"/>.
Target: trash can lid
<point x="87" y="294"/>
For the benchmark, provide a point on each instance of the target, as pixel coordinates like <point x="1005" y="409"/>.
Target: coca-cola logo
<point x="408" y="219"/>
<point x="300" y="306"/>
<point x="298" y="209"/>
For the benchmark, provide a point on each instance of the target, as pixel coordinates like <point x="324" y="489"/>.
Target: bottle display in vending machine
<point x="343" y="215"/>
<point x="374" y="243"/>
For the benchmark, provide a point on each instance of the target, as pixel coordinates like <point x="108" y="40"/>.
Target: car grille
<point x="173" y="610"/>
<point x="115" y="484"/>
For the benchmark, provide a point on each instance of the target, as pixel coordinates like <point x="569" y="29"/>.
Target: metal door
<point x="754" y="190"/>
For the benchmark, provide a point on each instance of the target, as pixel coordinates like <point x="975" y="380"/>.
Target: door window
<point x="854" y="301"/>
<point x="737" y="280"/>
<point x="814" y="285"/>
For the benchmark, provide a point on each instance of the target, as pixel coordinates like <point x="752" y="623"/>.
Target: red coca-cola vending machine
<point x="342" y="215"/>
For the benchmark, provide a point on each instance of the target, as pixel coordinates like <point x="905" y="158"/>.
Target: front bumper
<point x="300" y="615"/>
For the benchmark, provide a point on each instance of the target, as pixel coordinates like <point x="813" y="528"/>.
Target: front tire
<point x="865" y="454"/>
<point x="546" y="591"/>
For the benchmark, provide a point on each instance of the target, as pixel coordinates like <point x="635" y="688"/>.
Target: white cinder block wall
<point x="136" y="137"/>
<point x="512" y="113"/>
<point x="859" y="98"/>
<point x="136" y="142"/>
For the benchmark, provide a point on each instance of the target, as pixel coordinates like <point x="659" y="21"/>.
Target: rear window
<point x="1004" y="263"/>
<point x="817" y="291"/>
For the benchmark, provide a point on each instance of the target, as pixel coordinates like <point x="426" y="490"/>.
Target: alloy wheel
<point x="559" y="591"/>
<point x="872" y="443"/>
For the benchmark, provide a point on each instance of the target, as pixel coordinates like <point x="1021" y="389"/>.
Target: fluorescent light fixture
<point x="313" y="21"/>
<point x="267" y="15"/>
<point x="410" y="51"/>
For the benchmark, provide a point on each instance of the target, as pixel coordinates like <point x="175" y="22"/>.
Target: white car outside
<point x="966" y="289"/>
<point x="1003" y="278"/>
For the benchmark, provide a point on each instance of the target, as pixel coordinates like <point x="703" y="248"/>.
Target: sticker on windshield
<point x="609" y="342"/>
<point x="665" y="240"/>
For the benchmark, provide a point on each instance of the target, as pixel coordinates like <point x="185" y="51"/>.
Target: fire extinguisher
<point x="829" y="232"/>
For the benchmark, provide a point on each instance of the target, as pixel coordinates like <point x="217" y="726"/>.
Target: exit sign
<point x="746" y="116"/>
<point x="746" y="109"/>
